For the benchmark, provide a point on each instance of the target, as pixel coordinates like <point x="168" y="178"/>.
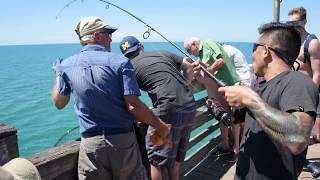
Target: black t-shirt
<point x="159" y="74"/>
<point x="261" y="157"/>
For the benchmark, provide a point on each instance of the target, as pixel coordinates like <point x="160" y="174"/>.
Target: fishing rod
<point x="147" y="34"/>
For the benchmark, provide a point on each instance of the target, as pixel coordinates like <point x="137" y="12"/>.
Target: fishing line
<point x="147" y="34"/>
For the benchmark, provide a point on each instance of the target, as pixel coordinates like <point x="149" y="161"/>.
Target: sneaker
<point x="220" y="151"/>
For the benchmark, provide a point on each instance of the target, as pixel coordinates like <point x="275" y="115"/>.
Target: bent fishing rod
<point x="147" y="34"/>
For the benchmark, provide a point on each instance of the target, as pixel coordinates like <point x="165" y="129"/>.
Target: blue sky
<point x="34" y="21"/>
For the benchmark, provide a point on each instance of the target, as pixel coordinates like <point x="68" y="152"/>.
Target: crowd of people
<point x="118" y="130"/>
<point x="278" y="112"/>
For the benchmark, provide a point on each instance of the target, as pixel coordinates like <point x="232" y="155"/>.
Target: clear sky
<point x="34" y="21"/>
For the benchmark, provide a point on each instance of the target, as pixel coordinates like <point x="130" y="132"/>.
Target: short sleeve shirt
<point x="159" y="74"/>
<point x="98" y="81"/>
<point x="261" y="157"/>
<point x="209" y="50"/>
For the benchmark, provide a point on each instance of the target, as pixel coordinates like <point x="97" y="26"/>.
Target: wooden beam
<point x="276" y="11"/>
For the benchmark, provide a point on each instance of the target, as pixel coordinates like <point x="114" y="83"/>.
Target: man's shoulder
<point x="300" y="78"/>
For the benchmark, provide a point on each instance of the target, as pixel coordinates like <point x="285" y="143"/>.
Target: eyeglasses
<point x="278" y="52"/>
<point x="106" y="32"/>
<point x="255" y="46"/>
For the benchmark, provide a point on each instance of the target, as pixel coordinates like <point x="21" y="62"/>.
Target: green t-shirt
<point x="209" y="50"/>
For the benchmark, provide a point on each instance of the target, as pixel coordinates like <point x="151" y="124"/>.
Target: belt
<point x="107" y="132"/>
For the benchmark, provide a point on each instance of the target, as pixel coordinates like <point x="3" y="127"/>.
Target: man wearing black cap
<point x="159" y="74"/>
<point x="106" y="93"/>
<point x="281" y="110"/>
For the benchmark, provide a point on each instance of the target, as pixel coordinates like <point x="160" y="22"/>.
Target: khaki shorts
<point x="115" y="157"/>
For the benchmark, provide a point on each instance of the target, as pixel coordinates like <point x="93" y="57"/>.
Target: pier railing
<point x="61" y="162"/>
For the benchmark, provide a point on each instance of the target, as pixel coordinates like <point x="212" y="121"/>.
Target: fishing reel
<point x="219" y="113"/>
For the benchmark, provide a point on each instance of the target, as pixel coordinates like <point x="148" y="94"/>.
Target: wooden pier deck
<point x="211" y="168"/>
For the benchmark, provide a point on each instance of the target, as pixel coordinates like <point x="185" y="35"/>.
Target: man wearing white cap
<point x="106" y="93"/>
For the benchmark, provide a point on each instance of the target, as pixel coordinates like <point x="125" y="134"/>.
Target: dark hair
<point x="283" y="38"/>
<point x="133" y="54"/>
<point x="301" y="11"/>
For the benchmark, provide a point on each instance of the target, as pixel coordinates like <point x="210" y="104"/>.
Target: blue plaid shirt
<point x="98" y="80"/>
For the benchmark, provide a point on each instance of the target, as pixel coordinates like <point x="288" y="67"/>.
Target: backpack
<point x="306" y="54"/>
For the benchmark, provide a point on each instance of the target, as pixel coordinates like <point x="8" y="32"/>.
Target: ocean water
<point x="26" y="79"/>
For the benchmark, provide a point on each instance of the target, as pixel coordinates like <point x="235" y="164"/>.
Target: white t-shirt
<point x="244" y="71"/>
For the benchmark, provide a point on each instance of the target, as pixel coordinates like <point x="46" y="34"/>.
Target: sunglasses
<point x="278" y="52"/>
<point x="105" y="32"/>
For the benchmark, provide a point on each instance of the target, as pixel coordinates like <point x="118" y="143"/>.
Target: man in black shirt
<point x="165" y="77"/>
<point x="281" y="110"/>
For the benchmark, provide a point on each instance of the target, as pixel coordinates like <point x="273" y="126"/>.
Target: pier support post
<point x="8" y="144"/>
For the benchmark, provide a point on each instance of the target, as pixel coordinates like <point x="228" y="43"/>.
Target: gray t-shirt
<point x="261" y="157"/>
<point x="159" y="74"/>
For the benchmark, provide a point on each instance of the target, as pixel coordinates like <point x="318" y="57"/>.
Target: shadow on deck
<point x="211" y="167"/>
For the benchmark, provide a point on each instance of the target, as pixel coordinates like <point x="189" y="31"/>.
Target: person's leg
<point x="317" y="128"/>
<point x="174" y="172"/>
<point x="213" y="93"/>
<point x="124" y="157"/>
<point x="185" y="120"/>
<point x="236" y="138"/>
<point x="93" y="162"/>
<point x="156" y="173"/>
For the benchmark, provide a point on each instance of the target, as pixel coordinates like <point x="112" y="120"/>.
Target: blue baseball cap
<point x="129" y="44"/>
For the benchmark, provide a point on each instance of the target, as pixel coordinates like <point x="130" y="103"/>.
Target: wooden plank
<point x="201" y="102"/>
<point x="60" y="162"/>
<point x="197" y="156"/>
<point x="201" y="117"/>
<point x="202" y="134"/>
<point x="196" y="86"/>
<point x="6" y="131"/>
<point x="8" y="144"/>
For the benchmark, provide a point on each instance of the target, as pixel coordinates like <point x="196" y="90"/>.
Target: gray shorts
<point x="182" y="122"/>
<point x="110" y="157"/>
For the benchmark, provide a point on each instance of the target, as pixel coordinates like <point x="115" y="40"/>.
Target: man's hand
<point x="238" y="96"/>
<point x="199" y="75"/>
<point x="163" y="130"/>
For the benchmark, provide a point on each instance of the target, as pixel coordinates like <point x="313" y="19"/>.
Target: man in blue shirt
<point x="106" y="93"/>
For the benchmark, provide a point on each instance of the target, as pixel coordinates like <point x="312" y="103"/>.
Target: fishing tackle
<point x="147" y="34"/>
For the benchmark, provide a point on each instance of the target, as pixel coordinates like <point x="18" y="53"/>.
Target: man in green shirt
<point x="212" y="55"/>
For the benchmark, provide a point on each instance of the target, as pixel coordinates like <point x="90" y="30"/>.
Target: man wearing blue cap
<point x="105" y="93"/>
<point x="159" y="74"/>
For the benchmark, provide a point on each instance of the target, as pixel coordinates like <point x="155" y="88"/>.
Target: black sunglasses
<point x="278" y="52"/>
<point x="255" y="46"/>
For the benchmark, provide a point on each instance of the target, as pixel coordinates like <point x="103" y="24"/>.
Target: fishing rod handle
<point x="220" y="83"/>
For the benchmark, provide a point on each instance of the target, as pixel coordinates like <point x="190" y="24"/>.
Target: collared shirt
<point x="209" y="50"/>
<point x="98" y="80"/>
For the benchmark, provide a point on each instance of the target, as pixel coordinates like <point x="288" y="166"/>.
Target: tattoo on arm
<point x="285" y="127"/>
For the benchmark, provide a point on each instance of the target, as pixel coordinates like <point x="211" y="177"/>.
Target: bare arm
<point x="290" y="129"/>
<point x="144" y="114"/>
<point x="187" y="68"/>
<point x="58" y="100"/>
<point x="314" y="51"/>
<point x="217" y="64"/>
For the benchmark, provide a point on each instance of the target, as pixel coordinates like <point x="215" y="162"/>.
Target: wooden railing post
<point x="276" y="11"/>
<point x="8" y="144"/>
